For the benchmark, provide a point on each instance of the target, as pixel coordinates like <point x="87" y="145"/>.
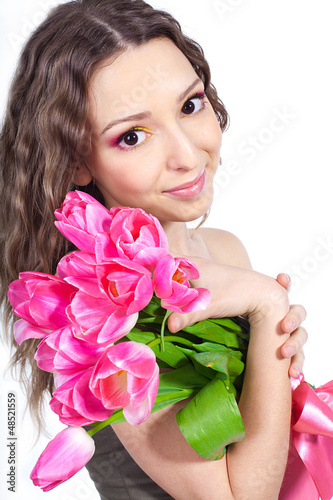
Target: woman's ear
<point x="82" y="176"/>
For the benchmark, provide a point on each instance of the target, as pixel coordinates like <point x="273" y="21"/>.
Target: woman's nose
<point x="181" y="150"/>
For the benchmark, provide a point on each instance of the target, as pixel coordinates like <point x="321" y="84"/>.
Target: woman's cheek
<point x="211" y="136"/>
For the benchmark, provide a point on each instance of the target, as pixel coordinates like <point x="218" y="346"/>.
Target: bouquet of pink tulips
<point x="102" y="325"/>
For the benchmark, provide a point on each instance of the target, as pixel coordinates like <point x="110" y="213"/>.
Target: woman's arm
<point x="265" y="408"/>
<point x="160" y="449"/>
<point x="226" y="248"/>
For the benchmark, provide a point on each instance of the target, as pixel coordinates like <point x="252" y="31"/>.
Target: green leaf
<point x="212" y="347"/>
<point x="168" y="399"/>
<point x="185" y="377"/>
<point x="233" y="324"/>
<point x="172" y="355"/>
<point x="211" y="421"/>
<point x="147" y="320"/>
<point x="222" y="362"/>
<point x="203" y="370"/>
<point x="215" y="332"/>
<point x="153" y="309"/>
<point x="179" y="384"/>
<point x="141" y="336"/>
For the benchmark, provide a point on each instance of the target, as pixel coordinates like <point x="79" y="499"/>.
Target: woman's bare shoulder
<point x="225" y="247"/>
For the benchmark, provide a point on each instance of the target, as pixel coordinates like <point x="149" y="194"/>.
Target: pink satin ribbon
<point x="309" y="472"/>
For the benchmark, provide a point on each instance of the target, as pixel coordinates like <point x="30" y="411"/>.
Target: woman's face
<point x="164" y="159"/>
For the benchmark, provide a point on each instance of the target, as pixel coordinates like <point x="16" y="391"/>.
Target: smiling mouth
<point x="191" y="188"/>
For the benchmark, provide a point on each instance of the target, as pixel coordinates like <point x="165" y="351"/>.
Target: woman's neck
<point x="184" y="241"/>
<point x="179" y="237"/>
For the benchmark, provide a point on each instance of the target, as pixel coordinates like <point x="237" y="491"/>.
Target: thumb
<point x="178" y="321"/>
<point x="284" y="280"/>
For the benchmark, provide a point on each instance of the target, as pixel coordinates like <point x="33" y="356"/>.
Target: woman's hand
<point x="293" y="347"/>
<point x="220" y="307"/>
<point x="235" y="291"/>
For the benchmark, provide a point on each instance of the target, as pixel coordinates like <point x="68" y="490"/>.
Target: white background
<point x="267" y="59"/>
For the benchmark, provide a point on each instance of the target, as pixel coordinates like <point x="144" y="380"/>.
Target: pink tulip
<point x="80" y="218"/>
<point x="74" y="402"/>
<point x="109" y="297"/>
<point x="171" y="285"/>
<point x="62" y="352"/>
<point x="63" y="457"/>
<point x="126" y="376"/>
<point x="78" y="264"/>
<point x="127" y="284"/>
<point x="99" y="319"/>
<point x="80" y="268"/>
<point x="136" y="235"/>
<point x="41" y="301"/>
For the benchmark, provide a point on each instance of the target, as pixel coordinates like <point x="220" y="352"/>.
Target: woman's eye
<point x="132" y="138"/>
<point x="194" y="104"/>
<point x="136" y="136"/>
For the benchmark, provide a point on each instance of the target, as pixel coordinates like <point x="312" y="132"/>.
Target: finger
<point x="293" y="319"/>
<point x="296" y="365"/>
<point x="178" y="321"/>
<point x="284" y="280"/>
<point x="295" y="342"/>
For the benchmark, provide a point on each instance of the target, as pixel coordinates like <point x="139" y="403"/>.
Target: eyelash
<point x="199" y="95"/>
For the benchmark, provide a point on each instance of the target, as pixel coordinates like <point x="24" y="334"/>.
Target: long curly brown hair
<point x="46" y="134"/>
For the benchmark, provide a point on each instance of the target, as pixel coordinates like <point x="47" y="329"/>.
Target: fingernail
<point x="289" y="350"/>
<point x="296" y="372"/>
<point x="292" y="325"/>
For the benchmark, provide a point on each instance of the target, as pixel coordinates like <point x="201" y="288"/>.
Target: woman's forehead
<point x="138" y="76"/>
<point x="158" y="60"/>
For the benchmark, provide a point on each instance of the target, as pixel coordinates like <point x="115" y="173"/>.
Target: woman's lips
<point x="190" y="188"/>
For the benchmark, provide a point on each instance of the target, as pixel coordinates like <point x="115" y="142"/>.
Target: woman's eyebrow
<point x="147" y="114"/>
<point x="184" y="94"/>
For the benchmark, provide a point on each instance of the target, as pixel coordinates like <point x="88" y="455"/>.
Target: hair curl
<point x="46" y="134"/>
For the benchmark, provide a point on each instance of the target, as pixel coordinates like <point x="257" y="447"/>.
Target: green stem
<point x="171" y="338"/>
<point x="179" y="395"/>
<point x="183" y="394"/>
<point x="101" y="425"/>
<point x="167" y="314"/>
<point x="152" y="319"/>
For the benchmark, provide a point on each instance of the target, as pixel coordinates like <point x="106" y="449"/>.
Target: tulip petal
<point x="77" y="264"/>
<point x="98" y="218"/>
<point x="138" y="359"/>
<point x="90" y="311"/>
<point x="189" y="303"/>
<point x="86" y="403"/>
<point x="136" y="412"/>
<point x="105" y="249"/>
<point x="149" y="257"/>
<point x="162" y="278"/>
<point x="17" y="293"/>
<point x="49" y="302"/>
<point x="46" y="352"/>
<point x="75" y="404"/>
<point x="79" y="238"/>
<point x="116" y="326"/>
<point x="24" y="330"/>
<point x="189" y="268"/>
<point x="114" y="390"/>
<point x="143" y="294"/>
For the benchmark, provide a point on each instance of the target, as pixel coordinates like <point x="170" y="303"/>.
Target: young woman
<point x="111" y="97"/>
